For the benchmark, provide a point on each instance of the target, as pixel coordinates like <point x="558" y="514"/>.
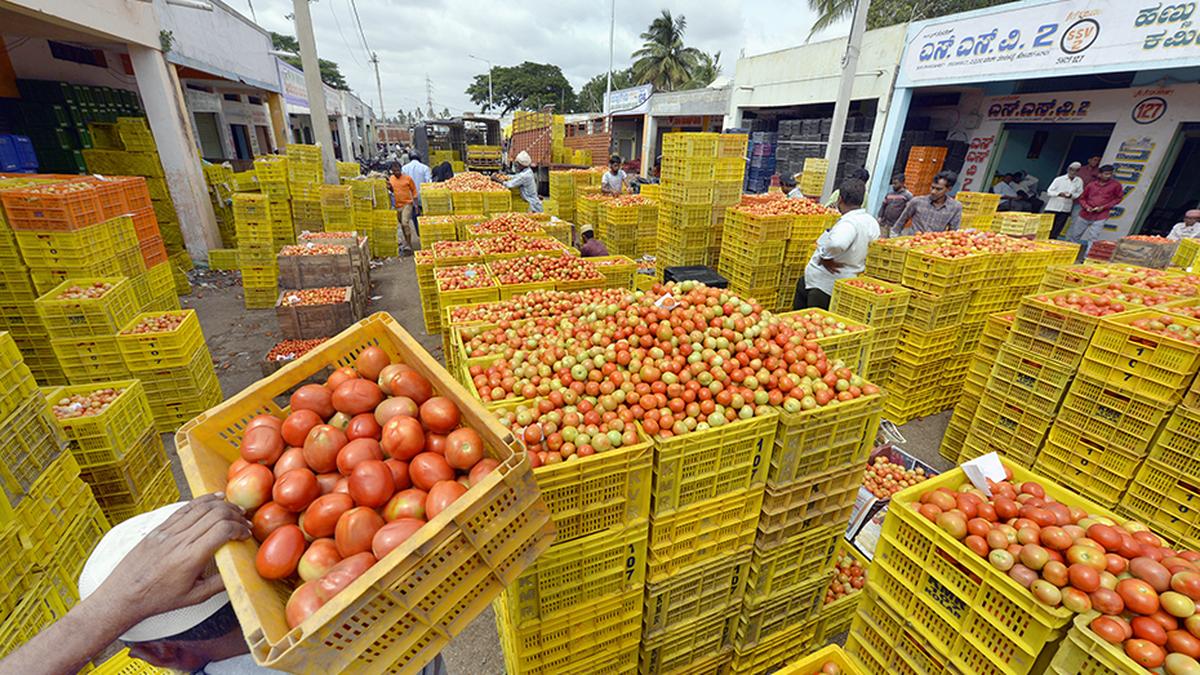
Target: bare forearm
<point x="71" y="641"/>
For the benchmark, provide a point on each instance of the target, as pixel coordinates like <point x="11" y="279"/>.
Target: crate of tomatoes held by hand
<point x="388" y="508"/>
<point x="888" y="471"/>
<point x="315" y="312"/>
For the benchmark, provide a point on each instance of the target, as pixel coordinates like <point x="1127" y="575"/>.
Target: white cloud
<point x="436" y="36"/>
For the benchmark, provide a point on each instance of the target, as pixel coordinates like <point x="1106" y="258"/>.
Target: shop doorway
<point x="241" y="141"/>
<point x="1177" y="189"/>
<point x="1045" y="150"/>
<point x="209" y="136"/>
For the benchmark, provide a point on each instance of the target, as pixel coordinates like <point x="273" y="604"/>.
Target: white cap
<point x="523" y="158"/>
<point x="1074" y="165"/>
<point x="113" y="548"/>
<point x="583" y="229"/>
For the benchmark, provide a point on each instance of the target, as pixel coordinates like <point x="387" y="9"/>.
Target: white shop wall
<point x="1146" y="120"/>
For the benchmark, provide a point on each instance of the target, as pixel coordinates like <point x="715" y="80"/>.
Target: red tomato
<point x="412" y="384"/>
<point x="1183" y="642"/>
<point x="297" y="425"/>
<point x="356" y="396"/>
<point x="318" y="559"/>
<point x="342" y="574"/>
<point x="314" y="397"/>
<point x="399" y="473"/>
<point x="1146" y="628"/>
<point x="403" y="438"/>
<point x="371" y="361"/>
<point x="408" y="503"/>
<point x="251" y="487"/>
<point x="1108" y="629"/>
<point x="393" y="407"/>
<point x="321" y="447"/>
<point x="1107" y="601"/>
<point x="354" y="530"/>
<point x="302" y="603"/>
<point x="337" y="377"/>
<point x="292" y="458"/>
<point x="268" y="518"/>
<point x="427" y="468"/>
<point x="357" y="451"/>
<point x="441" y="495"/>
<point x="393" y="534"/>
<point x="1083" y="577"/>
<point x="481" y="469"/>
<point x="439" y="415"/>
<point x="264" y="420"/>
<point x="296" y="489"/>
<point x="234" y="468"/>
<point x="328" y="481"/>
<point x="262" y="445"/>
<point x="1139" y="596"/>
<point x="464" y="448"/>
<point x="322" y="515"/>
<point x="1145" y="653"/>
<point x="280" y="553"/>
<point x="371" y="483"/>
<point x="1105" y="535"/>
<point x="363" y="426"/>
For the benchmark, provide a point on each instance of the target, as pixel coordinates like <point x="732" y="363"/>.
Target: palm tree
<point x="708" y="68"/>
<point x="663" y="61"/>
<point x="830" y="11"/>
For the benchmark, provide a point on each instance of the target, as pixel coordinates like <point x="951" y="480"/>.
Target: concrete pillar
<point x="889" y="144"/>
<point x="347" y="138"/>
<point x="168" y="118"/>
<point x="279" y="120"/>
<point x="649" y="132"/>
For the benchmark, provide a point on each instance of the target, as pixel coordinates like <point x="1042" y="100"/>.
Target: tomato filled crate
<point x="1153" y="364"/>
<point x="700" y="465"/>
<point x="811" y="441"/>
<point x="107" y="435"/>
<point x="403" y="611"/>
<point x="299" y="320"/>
<point x="981" y="617"/>
<point x="92" y="315"/>
<point x="886" y="258"/>
<point x="851" y="347"/>
<point x="158" y="349"/>
<point x="835" y="617"/>
<point x="69" y="205"/>
<point x="1059" y="333"/>
<point x="76" y="248"/>
<point x="713" y="586"/>
<point x="815" y="661"/>
<point x="939" y="275"/>
<point x="601" y="636"/>
<point x="881" y="308"/>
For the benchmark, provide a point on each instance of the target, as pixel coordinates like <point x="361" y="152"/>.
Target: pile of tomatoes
<point x="471" y="181"/>
<point x="784" y="207"/>
<point x="510" y="242"/>
<point x="358" y="466"/>
<point x="314" y="249"/>
<point x="1084" y="303"/>
<point x="536" y="268"/>
<point x="1178" y="286"/>
<point x="813" y="325"/>
<point x="849" y="577"/>
<point x="459" y="277"/>
<point x="1146" y="592"/>
<point x="308" y="297"/>
<point x="629" y="200"/>
<point x="506" y="222"/>
<point x="870" y="286"/>
<point x="449" y="250"/>
<point x="1127" y="295"/>
<point x="708" y="359"/>
<point x="751" y="199"/>
<point x="1171" y="326"/>
<point x="85" y="405"/>
<point x="92" y="291"/>
<point x="565" y="426"/>
<point x="545" y="303"/>
<point x="162" y="323"/>
<point x="884" y="478"/>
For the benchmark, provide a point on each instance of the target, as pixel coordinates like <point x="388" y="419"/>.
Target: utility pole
<point x="833" y="153"/>
<point x="379" y="88"/>
<point x="491" y="103"/>
<point x="315" y="88"/>
<point x="612" y="25"/>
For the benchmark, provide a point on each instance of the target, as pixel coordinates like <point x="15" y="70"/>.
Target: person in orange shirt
<point x="404" y="191"/>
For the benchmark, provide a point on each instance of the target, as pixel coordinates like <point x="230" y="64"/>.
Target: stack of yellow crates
<point x="1130" y="380"/>
<point x="130" y="151"/>
<point x="49" y="519"/>
<point x="995" y="332"/>
<point x="337" y="208"/>
<point x="305" y="176"/>
<point x="363" y="199"/>
<point x="167" y="352"/>
<point x="219" y="179"/>
<point x="812" y="480"/>
<point x="685" y="210"/>
<point x="273" y="184"/>
<point x="562" y="191"/>
<point x="729" y="176"/>
<point x="119" y="451"/>
<point x="256" y="249"/>
<point x="880" y="305"/>
<point x="384" y="234"/>
<point x="577" y="608"/>
<point x="83" y="317"/>
<point x="979" y="209"/>
<point x="627" y="225"/>
<point x="812" y="179"/>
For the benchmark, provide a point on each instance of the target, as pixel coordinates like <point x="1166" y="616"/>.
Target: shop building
<point x="351" y="122"/>
<point x="640" y="117"/>
<point x="1036" y="85"/>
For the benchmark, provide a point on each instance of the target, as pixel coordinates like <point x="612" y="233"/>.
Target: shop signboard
<point x="1062" y="37"/>
<point x="633" y="101"/>
<point x="291" y="81"/>
<point x="1144" y="119"/>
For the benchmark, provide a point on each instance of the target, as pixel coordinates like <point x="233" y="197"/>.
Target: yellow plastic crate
<point x="1120" y="417"/>
<point x="90" y="359"/>
<point x="716" y="527"/>
<point x="776" y="570"/>
<point x="1083" y="651"/>
<point x="577" y="572"/>
<point x="700" y="465"/>
<point x="780" y="612"/>
<point x="777" y="650"/>
<point x="886" y="259"/>
<point x="124" y="482"/>
<point x="1151" y="364"/>
<point x="835" y="617"/>
<point x="701" y="646"/>
<point x="880" y="641"/>
<point x="91" y="316"/>
<point x="161" y="349"/>
<point x="107" y="436"/>
<point x="864" y="306"/>
<point x="813" y="663"/>
<point x="1032" y="382"/>
<point x="29" y="444"/>
<point x="933" y="312"/>
<point x="405" y="609"/>
<point x="596" y="637"/>
<point x="937" y="275"/>
<point x="1164" y="499"/>
<point x="161" y="492"/>
<point x="812" y="441"/>
<point x="713" y="586"/>
<point x="122" y="663"/>
<point x="826" y="498"/>
<point x="850" y="348"/>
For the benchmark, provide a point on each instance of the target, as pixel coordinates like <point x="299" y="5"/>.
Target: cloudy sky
<point x="434" y="37"/>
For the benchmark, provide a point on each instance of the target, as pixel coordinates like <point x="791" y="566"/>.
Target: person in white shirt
<point x="525" y="181"/>
<point x="1189" y="228"/>
<point x="1061" y="196"/>
<point x="841" y="250"/>
<point x="613" y="182"/>
<point x="1007" y="191"/>
<point x="793" y="188"/>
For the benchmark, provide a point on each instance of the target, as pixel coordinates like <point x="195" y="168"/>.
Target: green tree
<point x="664" y="61"/>
<point x="708" y="68"/>
<point x="446" y="113"/>
<point x="890" y="12"/>
<point x="330" y="74"/>
<point x="529" y="86"/>
<point x="591" y="95"/>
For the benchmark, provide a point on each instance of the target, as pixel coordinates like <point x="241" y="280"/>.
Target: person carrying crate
<point x="150" y="584"/>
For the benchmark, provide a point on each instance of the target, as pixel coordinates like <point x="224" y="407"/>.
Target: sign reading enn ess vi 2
<point x="1034" y="40"/>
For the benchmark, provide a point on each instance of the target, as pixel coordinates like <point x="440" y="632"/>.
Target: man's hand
<point x="830" y="264"/>
<point x="169" y="568"/>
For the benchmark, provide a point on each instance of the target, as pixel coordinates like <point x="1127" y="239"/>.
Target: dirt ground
<point x="239" y="338"/>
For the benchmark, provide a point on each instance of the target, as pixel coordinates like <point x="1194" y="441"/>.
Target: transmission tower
<point x="429" y="96"/>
